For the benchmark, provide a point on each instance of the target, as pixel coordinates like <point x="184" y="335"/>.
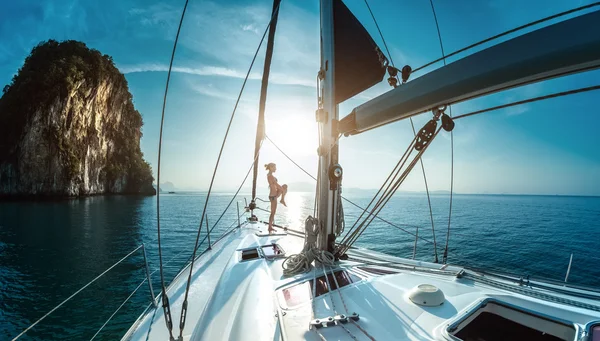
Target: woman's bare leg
<point x="272" y="216"/>
<point x="284" y="189"/>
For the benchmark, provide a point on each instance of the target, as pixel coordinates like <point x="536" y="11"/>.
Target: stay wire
<point x="387" y="196"/>
<point x="529" y="100"/>
<point x="240" y="187"/>
<point x="165" y="298"/>
<point x="391" y="179"/>
<point x="289" y="158"/>
<point x="187" y="288"/>
<point x="413" y="129"/>
<point x="516" y="29"/>
<point x="388" y="179"/>
<point x="344" y="198"/>
<point x="445" y="254"/>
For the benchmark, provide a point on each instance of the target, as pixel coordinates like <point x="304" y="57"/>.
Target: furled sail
<point x="359" y="63"/>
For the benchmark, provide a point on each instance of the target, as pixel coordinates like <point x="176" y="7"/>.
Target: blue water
<point x="48" y="250"/>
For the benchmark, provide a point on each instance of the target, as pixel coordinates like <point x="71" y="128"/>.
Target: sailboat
<point x="315" y="284"/>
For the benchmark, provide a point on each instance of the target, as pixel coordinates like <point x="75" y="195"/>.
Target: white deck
<point x="234" y="300"/>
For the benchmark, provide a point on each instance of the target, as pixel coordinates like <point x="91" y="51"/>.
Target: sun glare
<point x="296" y="134"/>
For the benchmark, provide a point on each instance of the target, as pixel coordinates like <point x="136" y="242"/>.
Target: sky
<point x="548" y="147"/>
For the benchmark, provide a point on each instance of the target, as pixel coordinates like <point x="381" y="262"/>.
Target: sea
<point x="51" y="249"/>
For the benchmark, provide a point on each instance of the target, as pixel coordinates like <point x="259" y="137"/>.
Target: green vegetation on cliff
<point x="69" y="78"/>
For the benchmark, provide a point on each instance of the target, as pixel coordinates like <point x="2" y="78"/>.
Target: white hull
<point x="231" y="299"/>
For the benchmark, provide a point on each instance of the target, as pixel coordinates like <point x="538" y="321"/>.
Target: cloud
<point x="517" y="110"/>
<point x="217" y="71"/>
<point x="228" y="34"/>
<point x="211" y="91"/>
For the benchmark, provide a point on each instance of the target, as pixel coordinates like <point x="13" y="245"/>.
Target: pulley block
<point x="425" y="134"/>
<point x="447" y="122"/>
<point x="406" y="70"/>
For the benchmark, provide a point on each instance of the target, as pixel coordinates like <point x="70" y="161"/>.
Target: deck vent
<point x="250" y="254"/>
<point x="427" y="295"/>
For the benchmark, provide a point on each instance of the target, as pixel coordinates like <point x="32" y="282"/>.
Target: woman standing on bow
<point x="275" y="190"/>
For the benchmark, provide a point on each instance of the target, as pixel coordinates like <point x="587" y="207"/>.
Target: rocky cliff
<point x="69" y="128"/>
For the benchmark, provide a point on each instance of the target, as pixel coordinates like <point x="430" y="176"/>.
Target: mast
<point x="326" y="115"/>
<point x="260" y="127"/>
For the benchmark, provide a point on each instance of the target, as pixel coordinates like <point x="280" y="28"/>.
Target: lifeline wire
<point x="77" y="292"/>
<point x="187" y="288"/>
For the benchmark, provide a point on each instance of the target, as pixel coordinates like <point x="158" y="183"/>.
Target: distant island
<point x="69" y="127"/>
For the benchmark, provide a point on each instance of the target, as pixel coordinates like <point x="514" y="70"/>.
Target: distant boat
<point x="171" y="192"/>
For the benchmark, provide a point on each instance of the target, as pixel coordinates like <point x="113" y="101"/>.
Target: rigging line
<point x="394" y="225"/>
<point x="428" y="198"/>
<point x="187" y="288"/>
<point x="76" y="292"/>
<point x="388" y="184"/>
<point x="380" y="34"/>
<point x="166" y="308"/>
<point x="260" y="126"/>
<point x="119" y="308"/>
<point x="394" y="174"/>
<point x="242" y="184"/>
<point x="529" y="100"/>
<point x="181" y="252"/>
<point x="533" y="23"/>
<point x="348" y="200"/>
<point x="445" y="254"/>
<point x="289" y="158"/>
<point x="387" y="196"/>
<point x="412" y="124"/>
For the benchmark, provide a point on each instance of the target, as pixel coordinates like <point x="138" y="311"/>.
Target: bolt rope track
<point x="414" y="133"/>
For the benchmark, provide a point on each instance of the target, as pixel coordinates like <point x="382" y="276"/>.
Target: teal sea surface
<point x="49" y="250"/>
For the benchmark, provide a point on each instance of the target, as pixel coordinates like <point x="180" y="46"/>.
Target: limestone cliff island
<point x="68" y="127"/>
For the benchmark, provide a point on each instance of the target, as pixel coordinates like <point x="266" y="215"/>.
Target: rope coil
<point x="302" y="262"/>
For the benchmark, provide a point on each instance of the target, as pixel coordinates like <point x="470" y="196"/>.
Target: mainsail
<point x="359" y="63"/>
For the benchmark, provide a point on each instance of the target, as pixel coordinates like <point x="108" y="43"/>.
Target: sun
<point x="295" y="134"/>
